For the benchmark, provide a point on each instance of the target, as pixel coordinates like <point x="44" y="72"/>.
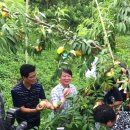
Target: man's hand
<point x="41" y="106"/>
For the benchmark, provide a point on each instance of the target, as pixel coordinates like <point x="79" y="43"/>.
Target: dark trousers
<point x="2" y="124"/>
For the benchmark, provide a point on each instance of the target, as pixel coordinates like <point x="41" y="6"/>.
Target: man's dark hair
<point x="66" y="70"/>
<point x="104" y="114"/>
<point x="25" y="69"/>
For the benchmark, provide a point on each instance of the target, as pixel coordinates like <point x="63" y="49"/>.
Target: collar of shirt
<point x="63" y="87"/>
<point x="23" y="86"/>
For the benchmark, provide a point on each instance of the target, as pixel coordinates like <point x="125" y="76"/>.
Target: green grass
<point x="123" y="49"/>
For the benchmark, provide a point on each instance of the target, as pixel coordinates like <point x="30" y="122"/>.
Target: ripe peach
<point x="42" y="104"/>
<point x="56" y="104"/>
<point x="67" y="91"/>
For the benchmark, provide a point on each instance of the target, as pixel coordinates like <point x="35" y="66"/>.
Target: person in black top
<point x="113" y="97"/>
<point x="26" y="95"/>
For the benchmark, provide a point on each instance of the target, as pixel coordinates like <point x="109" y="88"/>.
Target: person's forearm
<point x="28" y="110"/>
<point x="116" y="104"/>
<point x="61" y="105"/>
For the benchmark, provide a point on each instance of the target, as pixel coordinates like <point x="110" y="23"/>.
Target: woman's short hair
<point x="66" y="70"/>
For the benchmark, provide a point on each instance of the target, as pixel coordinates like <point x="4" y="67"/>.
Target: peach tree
<point x="75" y="31"/>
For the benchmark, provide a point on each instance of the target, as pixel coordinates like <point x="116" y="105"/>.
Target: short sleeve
<point x="42" y="94"/>
<point x="15" y="98"/>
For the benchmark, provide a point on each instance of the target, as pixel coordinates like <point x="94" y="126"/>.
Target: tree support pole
<point x="105" y="32"/>
<point x="26" y="37"/>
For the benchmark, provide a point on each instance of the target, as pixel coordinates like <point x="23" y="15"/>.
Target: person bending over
<point x="105" y="115"/>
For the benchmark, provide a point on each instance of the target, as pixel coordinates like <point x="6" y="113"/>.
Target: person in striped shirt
<point x="26" y="95"/>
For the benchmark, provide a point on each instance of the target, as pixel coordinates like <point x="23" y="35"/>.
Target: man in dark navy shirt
<point x="26" y="95"/>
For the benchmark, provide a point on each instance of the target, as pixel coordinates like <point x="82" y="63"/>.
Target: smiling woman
<point x="62" y="90"/>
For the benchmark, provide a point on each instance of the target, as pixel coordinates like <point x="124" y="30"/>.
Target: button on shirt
<point x="57" y="93"/>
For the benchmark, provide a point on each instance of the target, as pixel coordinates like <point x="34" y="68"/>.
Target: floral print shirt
<point x="123" y="122"/>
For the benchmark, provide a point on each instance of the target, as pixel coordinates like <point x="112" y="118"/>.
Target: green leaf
<point x="83" y="48"/>
<point x="11" y="39"/>
<point x="4" y="41"/>
<point x="6" y="28"/>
